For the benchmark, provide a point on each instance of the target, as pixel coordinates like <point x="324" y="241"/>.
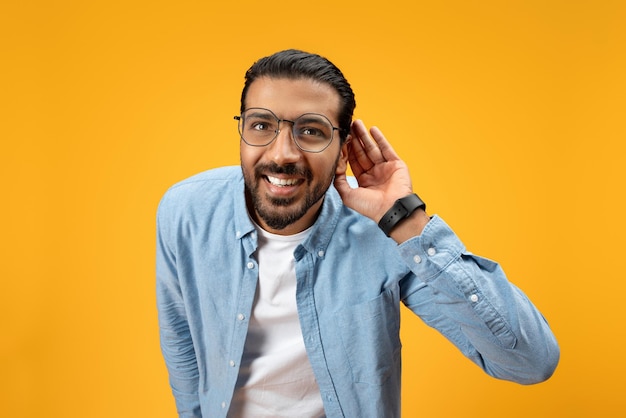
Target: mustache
<point x="289" y="169"/>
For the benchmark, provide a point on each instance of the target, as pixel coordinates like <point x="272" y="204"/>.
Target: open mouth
<point x="275" y="181"/>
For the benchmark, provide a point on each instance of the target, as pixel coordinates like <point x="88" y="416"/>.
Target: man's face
<point x="285" y="185"/>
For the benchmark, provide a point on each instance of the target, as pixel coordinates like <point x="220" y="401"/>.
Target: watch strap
<point x="401" y="209"/>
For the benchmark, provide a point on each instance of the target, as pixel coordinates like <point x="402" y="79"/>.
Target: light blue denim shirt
<point x="351" y="279"/>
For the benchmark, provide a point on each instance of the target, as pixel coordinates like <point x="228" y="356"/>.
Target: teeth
<point x="281" y="182"/>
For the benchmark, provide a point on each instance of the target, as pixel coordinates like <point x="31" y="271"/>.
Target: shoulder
<point x="354" y="229"/>
<point x="201" y="190"/>
<point x="209" y="178"/>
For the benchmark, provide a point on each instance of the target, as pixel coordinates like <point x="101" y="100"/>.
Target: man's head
<point x="286" y="177"/>
<point x="293" y="64"/>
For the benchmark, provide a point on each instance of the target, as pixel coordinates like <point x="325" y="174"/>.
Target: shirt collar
<point x="243" y="224"/>
<point x="325" y="225"/>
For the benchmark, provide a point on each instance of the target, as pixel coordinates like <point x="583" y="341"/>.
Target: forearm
<point x="470" y="300"/>
<point x="180" y="357"/>
<point x="175" y="335"/>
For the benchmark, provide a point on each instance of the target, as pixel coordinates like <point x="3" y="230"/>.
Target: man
<point x="279" y="283"/>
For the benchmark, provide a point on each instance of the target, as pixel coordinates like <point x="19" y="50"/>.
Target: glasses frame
<point x="240" y="118"/>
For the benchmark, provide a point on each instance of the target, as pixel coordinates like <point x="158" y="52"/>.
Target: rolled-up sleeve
<point x="472" y="303"/>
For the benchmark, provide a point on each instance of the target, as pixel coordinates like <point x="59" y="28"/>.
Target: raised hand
<point x="382" y="176"/>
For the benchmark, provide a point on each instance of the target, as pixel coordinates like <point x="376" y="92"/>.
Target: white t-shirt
<point x="275" y="377"/>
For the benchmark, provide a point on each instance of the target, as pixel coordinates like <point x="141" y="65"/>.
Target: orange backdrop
<point x="510" y="114"/>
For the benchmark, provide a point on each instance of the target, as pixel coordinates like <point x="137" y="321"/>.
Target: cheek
<point x="249" y="156"/>
<point x="324" y="168"/>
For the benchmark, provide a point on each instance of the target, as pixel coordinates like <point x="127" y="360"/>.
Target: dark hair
<point x="295" y="64"/>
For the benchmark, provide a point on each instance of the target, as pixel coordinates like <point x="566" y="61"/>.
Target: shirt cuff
<point x="433" y="251"/>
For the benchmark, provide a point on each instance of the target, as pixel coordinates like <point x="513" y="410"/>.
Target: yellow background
<point x="510" y="114"/>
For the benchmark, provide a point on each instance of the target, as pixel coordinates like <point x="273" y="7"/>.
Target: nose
<point x="283" y="150"/>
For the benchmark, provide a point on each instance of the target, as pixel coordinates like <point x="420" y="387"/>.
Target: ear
<point x="342" y="162"/>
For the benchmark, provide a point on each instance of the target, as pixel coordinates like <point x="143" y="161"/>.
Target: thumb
<point x="341" y="184"/>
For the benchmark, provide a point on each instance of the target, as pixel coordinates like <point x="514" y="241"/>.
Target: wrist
<point x="411" y="227"/>
<point x="401" y="210"/>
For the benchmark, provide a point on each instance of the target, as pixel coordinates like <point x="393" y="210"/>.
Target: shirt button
<point x="241" y="317"/>
<point x="250" y="265"/>
<point x="431" y="251"/>
<point x="474" y="298"/>
<point x="417" y="259"/>
<point x="232" y="363"/>
<point x="320" y="253"/>
<point x="238" y="234"/>
<point x="223" y="405"/>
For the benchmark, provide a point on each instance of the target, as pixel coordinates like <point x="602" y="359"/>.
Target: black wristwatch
<point x="401" y="209"/>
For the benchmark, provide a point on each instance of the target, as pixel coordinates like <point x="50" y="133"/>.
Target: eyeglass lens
<point x="311" y="131"/>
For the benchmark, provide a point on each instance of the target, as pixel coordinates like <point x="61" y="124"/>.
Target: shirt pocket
<point x="370" y="338"/>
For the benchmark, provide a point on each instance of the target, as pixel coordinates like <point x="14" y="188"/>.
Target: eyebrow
<point x="311" y="117"/>
<point x="261" y="115"/>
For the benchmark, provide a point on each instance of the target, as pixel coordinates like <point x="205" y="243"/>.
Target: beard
<point x="278" y="213"/>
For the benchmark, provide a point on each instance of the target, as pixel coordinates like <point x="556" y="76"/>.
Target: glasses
<point x="311" y="132"/>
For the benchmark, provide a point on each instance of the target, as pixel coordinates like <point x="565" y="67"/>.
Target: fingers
<point x="368" y="148"/>
<point x="385" y="148"/>
<point x="357" y="157"/>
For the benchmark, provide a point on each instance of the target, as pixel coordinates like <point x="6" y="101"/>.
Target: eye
<point x="259" y="126"/>
<point x="309" y="131"/>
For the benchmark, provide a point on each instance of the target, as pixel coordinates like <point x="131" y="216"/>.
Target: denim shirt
<point x="351" y="279"/>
